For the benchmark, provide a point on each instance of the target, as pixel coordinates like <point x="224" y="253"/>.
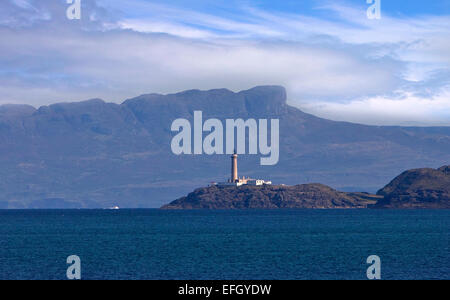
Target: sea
<point x="224" y="245"/>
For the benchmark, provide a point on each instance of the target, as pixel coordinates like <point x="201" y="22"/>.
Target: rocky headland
<point x="414" y="189"/>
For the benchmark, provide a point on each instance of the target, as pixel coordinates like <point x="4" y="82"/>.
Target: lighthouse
<point x="234" y="168"/>
<point x="236" y="181"/>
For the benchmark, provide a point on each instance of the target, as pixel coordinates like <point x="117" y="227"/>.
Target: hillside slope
<point x="304" y="196"/>
<point x="97" y="154"/>
<point x="419" y="188"/>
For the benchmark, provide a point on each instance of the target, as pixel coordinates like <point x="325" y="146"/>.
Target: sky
<point x="332" y="59"/>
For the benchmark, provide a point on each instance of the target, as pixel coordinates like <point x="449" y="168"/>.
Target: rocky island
<point x="414" y="189"/>
<point x="272" y="197"/>
<point x="419" y="188"/>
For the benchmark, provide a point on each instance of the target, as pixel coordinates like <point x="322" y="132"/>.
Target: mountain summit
<point x="98" y="154"/>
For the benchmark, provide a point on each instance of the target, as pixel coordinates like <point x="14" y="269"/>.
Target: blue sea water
<point x="277" y="244"/>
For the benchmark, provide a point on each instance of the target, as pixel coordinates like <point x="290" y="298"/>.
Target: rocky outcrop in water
<point x="272" y="197"/>
<point x="419" y="188"/>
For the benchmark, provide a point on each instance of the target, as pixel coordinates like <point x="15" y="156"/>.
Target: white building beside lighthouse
<point x="236" y="181"/>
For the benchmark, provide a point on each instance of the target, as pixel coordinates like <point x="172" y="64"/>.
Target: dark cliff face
<point x="315" y="196"/>
<point x="419" y="188"/>
<point x="100" y="154"/>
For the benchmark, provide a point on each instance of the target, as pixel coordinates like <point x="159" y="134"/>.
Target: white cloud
<point x="406" y="109"/>
<point x="118" y="63"/>
<point x="347" y="67"/>
<point x="165" y="27"/>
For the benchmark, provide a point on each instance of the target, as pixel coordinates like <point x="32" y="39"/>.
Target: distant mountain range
<point x="94" y="154"/>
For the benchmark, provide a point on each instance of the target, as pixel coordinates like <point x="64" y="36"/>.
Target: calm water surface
<point x="282" y="244"/>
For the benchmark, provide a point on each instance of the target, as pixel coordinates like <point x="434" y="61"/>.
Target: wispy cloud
<point x="335" y="63"/>
<point x="411" y="109"/>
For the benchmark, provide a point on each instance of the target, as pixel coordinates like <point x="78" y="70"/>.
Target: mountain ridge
<point x="100" y="154"/>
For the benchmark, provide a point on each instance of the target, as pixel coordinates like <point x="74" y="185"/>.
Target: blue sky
<point x="333" y="60"/>
<point x="309" y="7"/>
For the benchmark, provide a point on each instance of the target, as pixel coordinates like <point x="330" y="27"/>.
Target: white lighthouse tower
<point x="234" y="168"/>
<point x="234" y="178"/>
